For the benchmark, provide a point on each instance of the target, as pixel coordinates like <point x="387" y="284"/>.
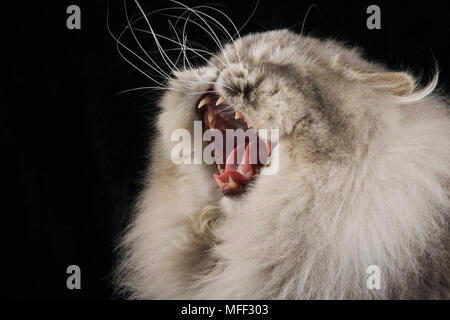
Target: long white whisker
<point x="161" y="72"/>
<point x="120" y="44"/>
<point x="199" y="80"/>
<point x="163" y="54"/>
<point x="150" y="88"/>
<point x="133" y="65"/>
<point x="182" y="43"/>
<point x="226" y="16"/>
<point x="192" y="21"/>
<point x="184" y="34"/>
<point x="150" y="13"/>
<point x="200" y="26"/>
<point x="188" y="48"/>
<point x="249" y="18"/>
<point x="178" y="38"/>
<point x="223" y="27"/>
<point x="212" y="34"/>
<point x="197" y="13"/>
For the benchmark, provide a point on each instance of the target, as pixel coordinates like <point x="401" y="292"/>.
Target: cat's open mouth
<point x="242" y="160"/>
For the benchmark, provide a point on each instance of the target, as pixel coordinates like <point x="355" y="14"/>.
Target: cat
<point x="363" y="180"/>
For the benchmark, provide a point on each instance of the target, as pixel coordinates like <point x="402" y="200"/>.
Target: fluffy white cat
<point x="363" y="179"/>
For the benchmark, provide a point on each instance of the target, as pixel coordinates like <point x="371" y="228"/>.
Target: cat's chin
<point x="237" y="167"/>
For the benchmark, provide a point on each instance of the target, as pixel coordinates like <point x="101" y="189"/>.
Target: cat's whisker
<point x="168" y="50"/>
<point x="187" y="20"/>
<point x="165" y="89"/>
<point x="153" y="12"/>
<point x="167" y="9"/>
<point x="200" y="26"/>
<point x="212" y="33"/>
<point x="157" y="11"/>
<point x="146" y="74"/>
<point x="182" y="45"/>
<point x="208" y="52"/>
<point x="164" y="56"/>
<point x="133" y="65"/>
<point x="220" y="47"/>
<point x="161" y="71"/>
<point x="142" y="17"/>
<point x="182" y="51"/>
<point x="183" y="34"/>
<point x="150" y="88"/>
<point x="248" y="20"/>
<point x="199" y="45"/>
<point x="232" y="38"/>
<point x="227" y="17"/>
<point x="163" y="75"/>
<point x="198" y="13"/>
<point x="120" y="44"/>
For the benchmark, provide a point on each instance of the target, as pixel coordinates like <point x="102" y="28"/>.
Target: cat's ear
<point x="394" y="83"/>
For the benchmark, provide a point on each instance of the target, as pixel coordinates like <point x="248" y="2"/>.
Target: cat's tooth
<point x="238" y="115"/>
<point x="220" y="100"/>
<point x="204" y="101"/>
<point x="231" y="183"/>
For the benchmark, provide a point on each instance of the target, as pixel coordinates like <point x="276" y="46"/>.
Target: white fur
<point x="311" y="231"/>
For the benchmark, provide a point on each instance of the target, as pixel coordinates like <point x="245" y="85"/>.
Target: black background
<point x="73" y="149"/>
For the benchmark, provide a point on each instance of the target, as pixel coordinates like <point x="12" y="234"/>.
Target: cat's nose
<point x="233" y="79"/>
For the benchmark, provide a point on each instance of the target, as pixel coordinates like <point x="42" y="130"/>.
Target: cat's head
<point x="311" y="90"/>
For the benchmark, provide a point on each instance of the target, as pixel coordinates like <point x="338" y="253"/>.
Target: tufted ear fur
<point x="400" y="84"/>
<point x="395" y="83"/>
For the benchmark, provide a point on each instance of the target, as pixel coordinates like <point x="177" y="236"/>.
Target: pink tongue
<point x="237" y="172"/>
<point x="238" y="167"/>
<point x="239" y="160"/>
